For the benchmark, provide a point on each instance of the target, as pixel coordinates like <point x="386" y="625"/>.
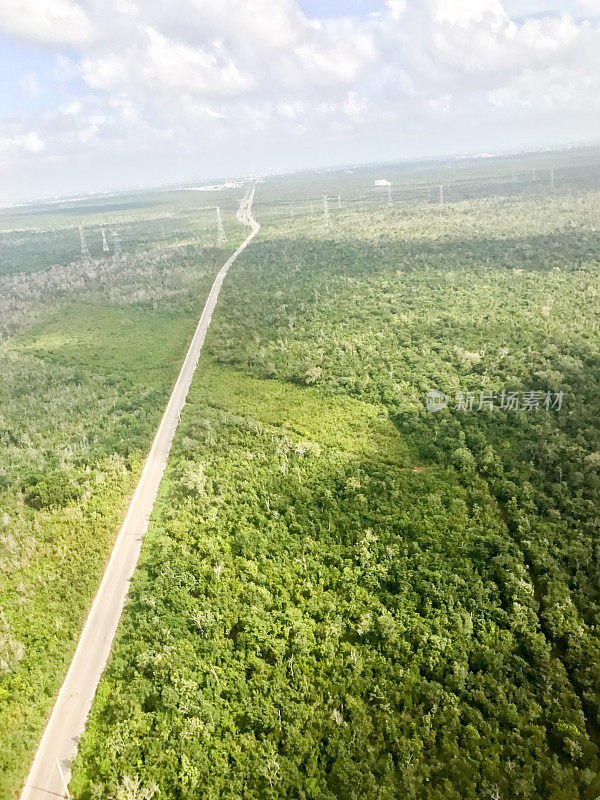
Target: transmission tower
<point x="339" y="201"/>
<point x="162" y="230"/>
<point x="325" y="210"/>
<point x="85" y="253"/>
<point x="389" y="188"/>
<point x="221" y="238"/>
<point x="552" y="179"/>
<point x="105" y="246"/>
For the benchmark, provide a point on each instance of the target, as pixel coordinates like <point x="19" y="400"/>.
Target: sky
<point x="98" y="95"/>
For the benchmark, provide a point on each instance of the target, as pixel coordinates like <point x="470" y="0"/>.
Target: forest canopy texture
<point x="342" y="594"/>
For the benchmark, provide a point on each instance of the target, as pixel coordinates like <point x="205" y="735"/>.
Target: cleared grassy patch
<point x="111" y="343"/>
<point x="344" y="423"/>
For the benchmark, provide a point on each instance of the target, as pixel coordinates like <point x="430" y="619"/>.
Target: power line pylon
<point x="85" y="253"/>
<point x="105" y="246"/>
<point x="221" y="238"/>
<point x="442" y="194"/>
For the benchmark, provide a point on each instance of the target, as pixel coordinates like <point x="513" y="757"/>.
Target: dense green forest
<point x="342" y="594"/>
<point x="88" y="356"/>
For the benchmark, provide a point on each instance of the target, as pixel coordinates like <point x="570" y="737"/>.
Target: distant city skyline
<point x="106" y="96"/>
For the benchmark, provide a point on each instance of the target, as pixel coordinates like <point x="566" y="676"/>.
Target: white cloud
<point x="71" y="108"/>
<point x="47" y="21"/>
<point x="396" y="8"/>
<point x="465" y="12"/>
<point x="29" y="141"/>
<point x="155" y="64"/>
<point x="19" y="144"/>
<point x="474" y="47"/>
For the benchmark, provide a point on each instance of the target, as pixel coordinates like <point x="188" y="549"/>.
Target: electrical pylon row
<point x="85" y="251"/>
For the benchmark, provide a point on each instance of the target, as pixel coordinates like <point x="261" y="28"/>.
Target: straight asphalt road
<point x="51" y="768"/>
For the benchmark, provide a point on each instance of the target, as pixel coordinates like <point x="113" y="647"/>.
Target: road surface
<point x="60" y="740"/>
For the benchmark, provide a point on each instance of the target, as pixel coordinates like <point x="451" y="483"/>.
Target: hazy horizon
<point x="209" y="180"/>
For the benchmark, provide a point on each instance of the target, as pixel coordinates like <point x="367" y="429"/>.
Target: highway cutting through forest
<point x="51" y="768"/>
